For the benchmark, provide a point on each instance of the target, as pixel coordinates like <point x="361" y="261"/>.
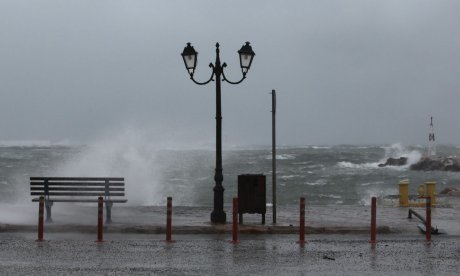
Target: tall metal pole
<point x="246" y="55"/>
<point x="274" y="154"/>
<point x="218" y="215"/>
<point x="431" y="140"/>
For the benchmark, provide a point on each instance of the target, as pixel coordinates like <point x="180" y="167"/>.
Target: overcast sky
<point x="346" y="72"/>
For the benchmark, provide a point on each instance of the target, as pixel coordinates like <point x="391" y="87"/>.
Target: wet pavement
<point x="145" y="254"/>
<point x="134" y="244"/>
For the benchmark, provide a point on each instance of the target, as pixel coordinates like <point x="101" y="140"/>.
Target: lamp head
<point x="190" y="58"/>
<point x="246" y="56"/>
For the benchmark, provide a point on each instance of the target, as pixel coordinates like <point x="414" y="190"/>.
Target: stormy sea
<point x="324" y="175"/>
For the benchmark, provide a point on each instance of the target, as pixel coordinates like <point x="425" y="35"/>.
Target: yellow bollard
<point x="404" y="193"/>
<point x="430" y="191"/>
<point x="421" y="191"/>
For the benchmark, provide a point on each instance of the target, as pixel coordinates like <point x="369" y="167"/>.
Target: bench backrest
<point x="77" y="186"/>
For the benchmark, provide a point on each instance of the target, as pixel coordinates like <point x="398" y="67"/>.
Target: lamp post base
<point x="218" y="217"/>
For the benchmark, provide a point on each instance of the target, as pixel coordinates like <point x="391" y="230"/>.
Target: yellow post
<point x="404" y="193"/>
<point x="431" y="191"/>
<point x="421" y="191"/>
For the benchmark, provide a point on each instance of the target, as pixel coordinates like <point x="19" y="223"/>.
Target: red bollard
<point x="302" y="222"/>
<point x="41" y="208"/>
<point x="373" y="221"/>
<point x="169" y="220"/>
<point x="100" y="215"/>
<point x="428" y="220"/>
<point x="235" y="222"/>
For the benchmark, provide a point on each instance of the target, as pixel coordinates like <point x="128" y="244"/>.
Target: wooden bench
<point x="78" y="189"/>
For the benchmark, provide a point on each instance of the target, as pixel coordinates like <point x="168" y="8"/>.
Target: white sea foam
<point x="132" y="154"/>
<point x="315" y="166"/>
<point x="378" y="192"/>
<point x="394" y="151"/>
<point x="319" y="182"/>
<point x="320" y="147"/>
<point x="301" y="163"/>
<point x="372" y="183"/>
<point x="284" y="156"/>
<point x="350" y="165"/>
<point x="397" y="150"/>
<point x="329" y="196"/>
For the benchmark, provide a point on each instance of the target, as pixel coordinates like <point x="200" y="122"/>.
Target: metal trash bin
<point x="252" y="195"/>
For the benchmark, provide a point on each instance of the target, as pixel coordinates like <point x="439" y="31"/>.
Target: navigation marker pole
<point x="431" y="140"/>
<point x="274" y="154"/>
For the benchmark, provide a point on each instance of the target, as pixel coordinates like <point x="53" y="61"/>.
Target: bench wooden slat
<point x="75" y="184"/>
<point x="102" y="189"/>
<point x="82" y="200"/>
<point x="78" y="189"/>
<point x="78" y="178"/>
<point x="75" y="194"/>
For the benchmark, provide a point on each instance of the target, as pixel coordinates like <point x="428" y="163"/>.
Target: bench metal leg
<point x="108" y="209"/>
<point x="48" y="205"/>
<point x="240" y="217"/>
<point x="263" y="218"/>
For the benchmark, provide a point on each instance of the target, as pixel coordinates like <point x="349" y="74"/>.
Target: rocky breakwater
<point x="438" y="163"/>
<point x="394" y="162"/>
<point x="451" y="163"/>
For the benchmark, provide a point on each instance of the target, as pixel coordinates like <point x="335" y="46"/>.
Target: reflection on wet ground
<point x="125" y="254"/>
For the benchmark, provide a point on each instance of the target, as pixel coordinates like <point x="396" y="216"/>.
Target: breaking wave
<point x="350" y="165"/>
<point x="397" y="150"/>
<point x="394" y="151"/>
<point x="285" y="156"/>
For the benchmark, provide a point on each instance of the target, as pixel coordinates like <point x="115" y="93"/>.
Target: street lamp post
<point x="190" y="60"/>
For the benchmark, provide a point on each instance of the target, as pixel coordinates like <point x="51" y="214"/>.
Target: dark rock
<point x="451" y="164"/>
<point x="450" y="191"/>
<point x="395" y="162"/>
